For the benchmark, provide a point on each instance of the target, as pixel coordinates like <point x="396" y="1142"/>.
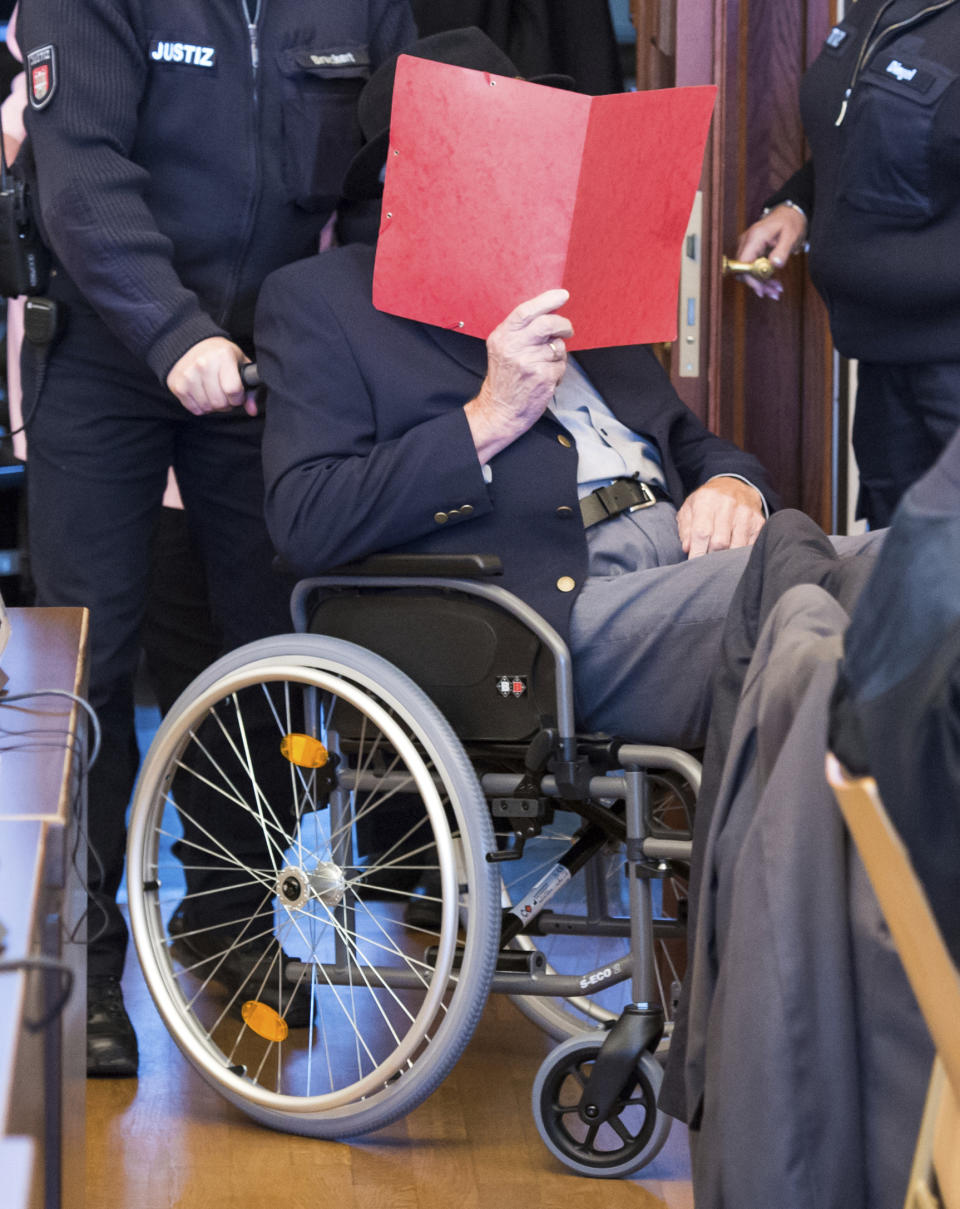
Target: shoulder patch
<point x="41" y="76"/>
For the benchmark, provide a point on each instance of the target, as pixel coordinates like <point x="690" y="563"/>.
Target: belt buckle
<point x="649" y="499"/>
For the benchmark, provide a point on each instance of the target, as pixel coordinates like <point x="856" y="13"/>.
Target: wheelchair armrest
<point x="423" y="566"/>
<point x="441" y="566"/>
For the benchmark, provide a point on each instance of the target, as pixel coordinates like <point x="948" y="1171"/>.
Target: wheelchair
<point x="414" y="823"/>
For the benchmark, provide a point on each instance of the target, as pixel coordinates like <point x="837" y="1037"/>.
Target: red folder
<point x="498" y="189"/>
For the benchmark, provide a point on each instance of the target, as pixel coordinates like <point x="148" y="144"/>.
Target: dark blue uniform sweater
<point x="883" y="187"/>
<point x="186" y="148"/>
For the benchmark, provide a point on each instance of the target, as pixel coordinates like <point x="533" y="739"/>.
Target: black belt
<point x="623" y="495"/>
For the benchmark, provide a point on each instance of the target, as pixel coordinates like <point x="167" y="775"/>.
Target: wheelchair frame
<point x="608" y="1124"/>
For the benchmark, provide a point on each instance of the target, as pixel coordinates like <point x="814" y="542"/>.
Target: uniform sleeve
<point x="91" y="194"/>
<point x="798" y="189"/>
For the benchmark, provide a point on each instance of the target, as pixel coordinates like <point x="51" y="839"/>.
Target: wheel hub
<point x="326" y="882"/>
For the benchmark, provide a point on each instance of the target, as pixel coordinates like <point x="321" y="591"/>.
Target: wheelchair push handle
<point x="250" y="375"/>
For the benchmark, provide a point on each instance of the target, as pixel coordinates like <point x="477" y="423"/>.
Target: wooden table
<point x="42" y="904"/>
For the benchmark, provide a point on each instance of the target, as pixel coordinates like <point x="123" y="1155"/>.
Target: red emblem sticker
<point x="511" y="686"/>
<point x="41" y="81"/>
<point x="41" y="76"/>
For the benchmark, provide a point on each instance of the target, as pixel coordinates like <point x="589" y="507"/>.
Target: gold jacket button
<point x="566" y="584"/>
<point x="466" y="509"/>
<point x="565" y="440"/>
<point x="441" y="518"/>
<point x="565" y="511"/>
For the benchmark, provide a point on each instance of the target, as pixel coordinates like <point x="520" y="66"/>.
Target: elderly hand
<point x="526" y="358"/>
<point x="724" y="513"/>
<point x="776" y="236"/>
<point x="207" y="378"/>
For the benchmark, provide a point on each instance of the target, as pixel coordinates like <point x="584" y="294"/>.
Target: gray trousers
<point x="646" y="628"/>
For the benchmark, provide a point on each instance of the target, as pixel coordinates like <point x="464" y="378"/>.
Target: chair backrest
<point x="931" y="972"/>
<point x="487" y="673"/>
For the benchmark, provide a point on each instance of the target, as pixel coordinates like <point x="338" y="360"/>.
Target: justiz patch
<point x="185" y="54"/>
<point x="41" y="76"/>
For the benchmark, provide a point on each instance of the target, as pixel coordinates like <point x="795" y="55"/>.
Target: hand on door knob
<point x="761" y="268"/>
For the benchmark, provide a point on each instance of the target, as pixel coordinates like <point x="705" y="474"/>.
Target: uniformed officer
<point x="182" y="149"/>
<point x="881" y="106"/>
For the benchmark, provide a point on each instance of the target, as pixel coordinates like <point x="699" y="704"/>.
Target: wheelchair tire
<point x="631" y="1135"/>
<point x="349" y="1018"/>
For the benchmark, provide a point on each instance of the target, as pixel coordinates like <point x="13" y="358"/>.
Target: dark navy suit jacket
<point x="367" y="446"/>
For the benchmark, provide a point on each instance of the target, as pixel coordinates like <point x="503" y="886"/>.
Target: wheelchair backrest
<point x="484" y="670"/>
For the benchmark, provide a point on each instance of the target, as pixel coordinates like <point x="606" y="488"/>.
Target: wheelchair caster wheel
<point x="625" y="1140"/>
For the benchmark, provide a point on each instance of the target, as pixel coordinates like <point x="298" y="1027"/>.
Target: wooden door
<point x="766" y="375"/>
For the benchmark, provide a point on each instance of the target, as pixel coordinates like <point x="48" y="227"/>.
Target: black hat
<point x="468" y="47"/>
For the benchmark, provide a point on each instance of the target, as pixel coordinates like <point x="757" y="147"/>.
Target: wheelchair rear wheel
<point x="307" y="787"/>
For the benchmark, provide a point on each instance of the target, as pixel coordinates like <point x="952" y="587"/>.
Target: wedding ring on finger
<point x="556" y="347"/>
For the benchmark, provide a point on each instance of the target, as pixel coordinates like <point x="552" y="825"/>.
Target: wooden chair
<point x="933" y="976"/>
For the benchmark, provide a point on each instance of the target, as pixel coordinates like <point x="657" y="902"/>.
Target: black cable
<point x="49" y="964"/>
<point x="65" y="740"/>
<point x="13" y="432"/>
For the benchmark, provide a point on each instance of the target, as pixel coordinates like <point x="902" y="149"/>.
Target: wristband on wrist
<point x="793" y="206"/>
<point x="804" y="245"/>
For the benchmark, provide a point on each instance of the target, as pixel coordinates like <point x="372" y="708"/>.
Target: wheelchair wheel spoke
<point x="421" y="969"/>
<point x="361" y="968"/>
<point x="236" y="799"/>
<point x="262" y="807"/>
<point x="220" y="852"/>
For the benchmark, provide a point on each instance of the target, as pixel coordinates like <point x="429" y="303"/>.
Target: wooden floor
<point x="167" y="1141"/>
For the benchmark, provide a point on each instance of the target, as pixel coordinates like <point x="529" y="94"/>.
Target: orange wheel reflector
<point x="304" y="751"/>
<point x="264" y="1021"/>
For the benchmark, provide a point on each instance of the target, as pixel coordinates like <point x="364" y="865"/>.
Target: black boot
<point x="111" y="1041"/>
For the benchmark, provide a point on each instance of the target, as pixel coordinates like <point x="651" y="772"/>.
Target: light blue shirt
<point x="606" y="449"/>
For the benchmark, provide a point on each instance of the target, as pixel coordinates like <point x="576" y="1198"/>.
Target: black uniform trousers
<point x="905" y="417"/>
<point x="102" y="433"/>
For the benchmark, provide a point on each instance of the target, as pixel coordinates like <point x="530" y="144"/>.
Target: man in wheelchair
<point x="616" y="514"/>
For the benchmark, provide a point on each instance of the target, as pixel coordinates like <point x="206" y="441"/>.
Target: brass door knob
<point x="761" y="268"/>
